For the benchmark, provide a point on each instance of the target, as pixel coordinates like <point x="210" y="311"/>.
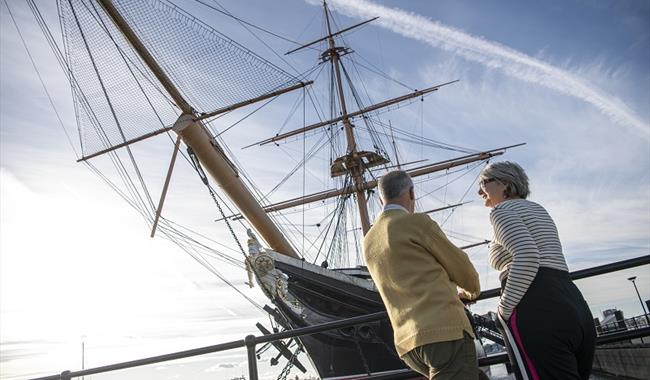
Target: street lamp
<point x="638" y="295"/>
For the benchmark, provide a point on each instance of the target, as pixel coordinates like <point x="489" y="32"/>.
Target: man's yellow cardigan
<point x="416" y="270"/>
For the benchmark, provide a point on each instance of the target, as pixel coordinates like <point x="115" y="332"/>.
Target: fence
<point x="251" y="341"/>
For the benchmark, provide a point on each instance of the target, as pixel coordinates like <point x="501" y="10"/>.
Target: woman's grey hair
<point x="393" y="184"/>
<point x="511" y="175"/>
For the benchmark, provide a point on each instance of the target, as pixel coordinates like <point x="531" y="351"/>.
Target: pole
<point x="353" y="161"/>
<point x="645" y="313"/>
<point x="83" y="357"/>
<point x="252" y="359"/>
<point x="166" y="186"/>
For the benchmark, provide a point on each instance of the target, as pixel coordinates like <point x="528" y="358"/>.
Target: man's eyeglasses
<point x="486" y="181"/>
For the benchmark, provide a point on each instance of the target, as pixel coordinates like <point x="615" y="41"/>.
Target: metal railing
<point x="584" y="273"/>
<point x="251" y="341"/>
<point x="627" y="324"/>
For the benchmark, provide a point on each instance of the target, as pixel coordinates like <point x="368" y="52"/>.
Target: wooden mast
<point x="210" y="154"/>
<point x="353" y="162"/>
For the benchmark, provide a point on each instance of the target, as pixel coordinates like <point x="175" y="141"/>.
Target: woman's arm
<point x="511" y="232"/>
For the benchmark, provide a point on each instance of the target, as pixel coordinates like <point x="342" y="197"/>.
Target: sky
<point x="77" y="265"/>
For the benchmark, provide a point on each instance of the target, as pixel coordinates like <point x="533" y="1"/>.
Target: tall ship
<point x="145" y="71"/>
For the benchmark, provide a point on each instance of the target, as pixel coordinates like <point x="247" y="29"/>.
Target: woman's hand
<point x="502" y="314"/>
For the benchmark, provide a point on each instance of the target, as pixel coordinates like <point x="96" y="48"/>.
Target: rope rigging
<point x="204" y="178"/>
<point x="317" y="147"/>
<point x="325" y="232"/>
<point x="462" y="198"/>
<point x="338" y="238"/>
<point x="50" y="41"/>
<point x="130" y="62"/>
<point x="376" y="142"/>
<point x="209" y="123"/>
<point x="225" y="12"/>
<point x="382" y="74"/>
<point x="421" y="140"/>
<point x="113" y="113"/>
<point x="449" y="172"/>
<point x="245" y="24"/>
<point x="138" y="196"/>
<point x="245" y="117"/>
<point x="191" y="245"/>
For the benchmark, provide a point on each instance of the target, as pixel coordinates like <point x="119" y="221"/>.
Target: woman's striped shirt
<point x="525" y="238"/>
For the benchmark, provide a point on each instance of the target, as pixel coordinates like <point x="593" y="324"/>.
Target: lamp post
<point x="633" y="278"/>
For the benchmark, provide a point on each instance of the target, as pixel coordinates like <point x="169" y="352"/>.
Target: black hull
<point x="360" y="350"/>
<point x="308" y="295"/>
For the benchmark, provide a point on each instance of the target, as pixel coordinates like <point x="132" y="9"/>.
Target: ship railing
<point x="251" y="341"/>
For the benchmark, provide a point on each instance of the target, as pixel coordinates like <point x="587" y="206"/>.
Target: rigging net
<point x="210" y="70"/>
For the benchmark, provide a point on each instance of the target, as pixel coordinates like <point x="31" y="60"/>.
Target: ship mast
<point x="352" y="161"/>
<point x="356" y="162"/>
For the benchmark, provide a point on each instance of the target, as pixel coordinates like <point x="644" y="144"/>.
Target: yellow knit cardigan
<point x="416" y="270"/>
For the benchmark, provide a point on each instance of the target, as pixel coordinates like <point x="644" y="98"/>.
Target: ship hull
<point x="359" y="350"/>
<point x="308" y="295"/>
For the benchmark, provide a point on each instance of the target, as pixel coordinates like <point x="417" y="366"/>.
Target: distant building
<point x="613" y="320"/>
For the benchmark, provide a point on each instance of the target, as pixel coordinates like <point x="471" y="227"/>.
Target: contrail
<point x="492" y="55"/>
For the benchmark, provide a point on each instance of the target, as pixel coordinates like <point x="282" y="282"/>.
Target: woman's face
<point x="491" y="190"/>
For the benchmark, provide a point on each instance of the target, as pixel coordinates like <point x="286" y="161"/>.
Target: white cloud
<point x="494" y="56"/>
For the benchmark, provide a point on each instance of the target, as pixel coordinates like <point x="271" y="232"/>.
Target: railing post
<point x="252" y="359"/>
<point x="65" y="375"/>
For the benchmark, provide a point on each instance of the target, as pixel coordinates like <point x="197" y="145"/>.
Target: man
<point x="417" y="271"/>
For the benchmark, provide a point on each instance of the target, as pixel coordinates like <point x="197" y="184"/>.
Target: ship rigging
<point x="155" y="61"/>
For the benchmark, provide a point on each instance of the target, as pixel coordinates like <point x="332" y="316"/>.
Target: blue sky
<point x="569" y="78"/>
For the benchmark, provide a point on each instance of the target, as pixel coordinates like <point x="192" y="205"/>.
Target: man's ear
<point x="411" y="193"/>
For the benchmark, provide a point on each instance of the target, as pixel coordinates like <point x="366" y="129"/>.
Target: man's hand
<point x="465" y="299"/>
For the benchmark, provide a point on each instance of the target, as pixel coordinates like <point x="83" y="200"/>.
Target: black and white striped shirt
<point x="525" y="238"/>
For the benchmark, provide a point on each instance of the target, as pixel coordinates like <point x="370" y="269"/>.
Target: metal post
<point x="83" y="357"/>
<point x="645" y="313"/>
<point x="252" y="359"/>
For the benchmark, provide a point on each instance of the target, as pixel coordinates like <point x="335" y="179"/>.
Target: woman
<point x="548" y="327"/>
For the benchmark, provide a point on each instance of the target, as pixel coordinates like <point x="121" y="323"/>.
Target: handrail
<point x="622" y="335"/>
<point x="583" y="273"/>
<point x="251" y="340"/>
<point x="632" y="323"/>
<point x="600" y="340"/>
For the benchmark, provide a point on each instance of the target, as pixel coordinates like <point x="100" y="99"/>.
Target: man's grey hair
<point x="393" y="184"/>
<point x="511" y="175"/>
